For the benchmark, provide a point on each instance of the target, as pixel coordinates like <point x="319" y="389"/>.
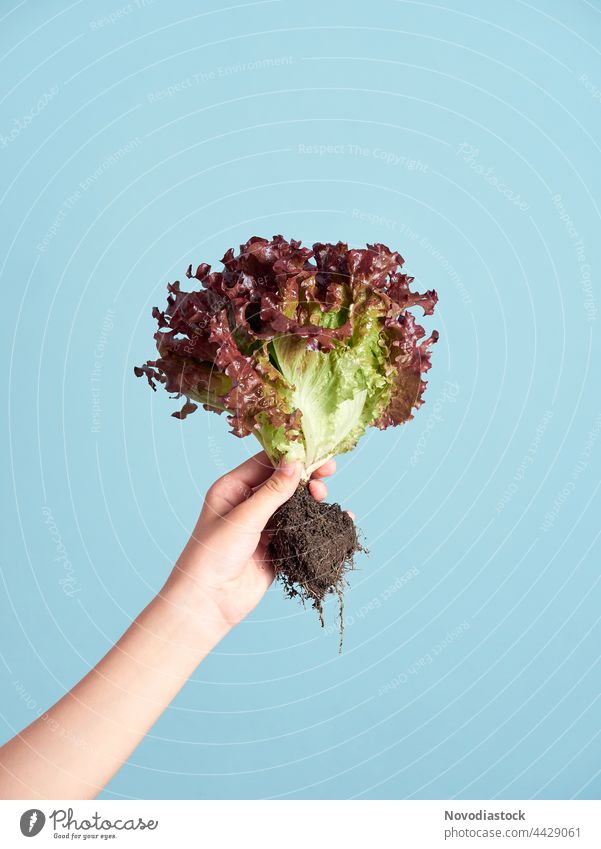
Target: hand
<point x="223" y="570"/>
<point x="221" y="575"/>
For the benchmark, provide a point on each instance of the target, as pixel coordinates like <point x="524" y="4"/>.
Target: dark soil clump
<point x="312" y="548"/>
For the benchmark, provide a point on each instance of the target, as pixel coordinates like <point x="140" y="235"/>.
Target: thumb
<point x="257" y="510"/>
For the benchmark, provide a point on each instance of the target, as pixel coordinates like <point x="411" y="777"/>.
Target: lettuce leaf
<point x="304" y="348"/>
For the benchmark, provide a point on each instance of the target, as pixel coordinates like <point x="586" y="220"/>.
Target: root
<point x="312" y="548"/>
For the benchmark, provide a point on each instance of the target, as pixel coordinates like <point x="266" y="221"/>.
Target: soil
<point x="312" y="548"/>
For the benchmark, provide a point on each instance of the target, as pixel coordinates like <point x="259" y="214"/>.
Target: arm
<point x="74" y="749"/>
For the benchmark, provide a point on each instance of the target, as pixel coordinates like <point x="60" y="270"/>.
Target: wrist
<point x="198" y="617"/>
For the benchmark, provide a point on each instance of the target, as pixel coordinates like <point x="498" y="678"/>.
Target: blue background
<point x="467" y="137"/>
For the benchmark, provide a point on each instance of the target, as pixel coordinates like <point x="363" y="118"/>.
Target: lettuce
<point x="304" y="348"/>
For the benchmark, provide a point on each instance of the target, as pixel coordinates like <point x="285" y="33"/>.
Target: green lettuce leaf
<point x="303" y="348"/>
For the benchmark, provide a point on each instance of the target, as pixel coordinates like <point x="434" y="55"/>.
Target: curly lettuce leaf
<point x="304" y="348"/>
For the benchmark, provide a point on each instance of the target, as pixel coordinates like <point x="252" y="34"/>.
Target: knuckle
<point x="212" y="492"/>
<point x="275" y="485"/>
<point x="226" y="487"/>
<point x="217" y="488"/>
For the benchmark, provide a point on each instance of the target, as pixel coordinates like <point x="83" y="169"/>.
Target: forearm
<point x="74" y="749"/>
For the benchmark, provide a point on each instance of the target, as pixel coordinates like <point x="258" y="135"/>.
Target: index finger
<point x="236" y="486"/>
<point x="254" y="471"/>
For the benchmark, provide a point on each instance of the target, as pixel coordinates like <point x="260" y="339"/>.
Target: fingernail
<point x="287" y="469"/>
